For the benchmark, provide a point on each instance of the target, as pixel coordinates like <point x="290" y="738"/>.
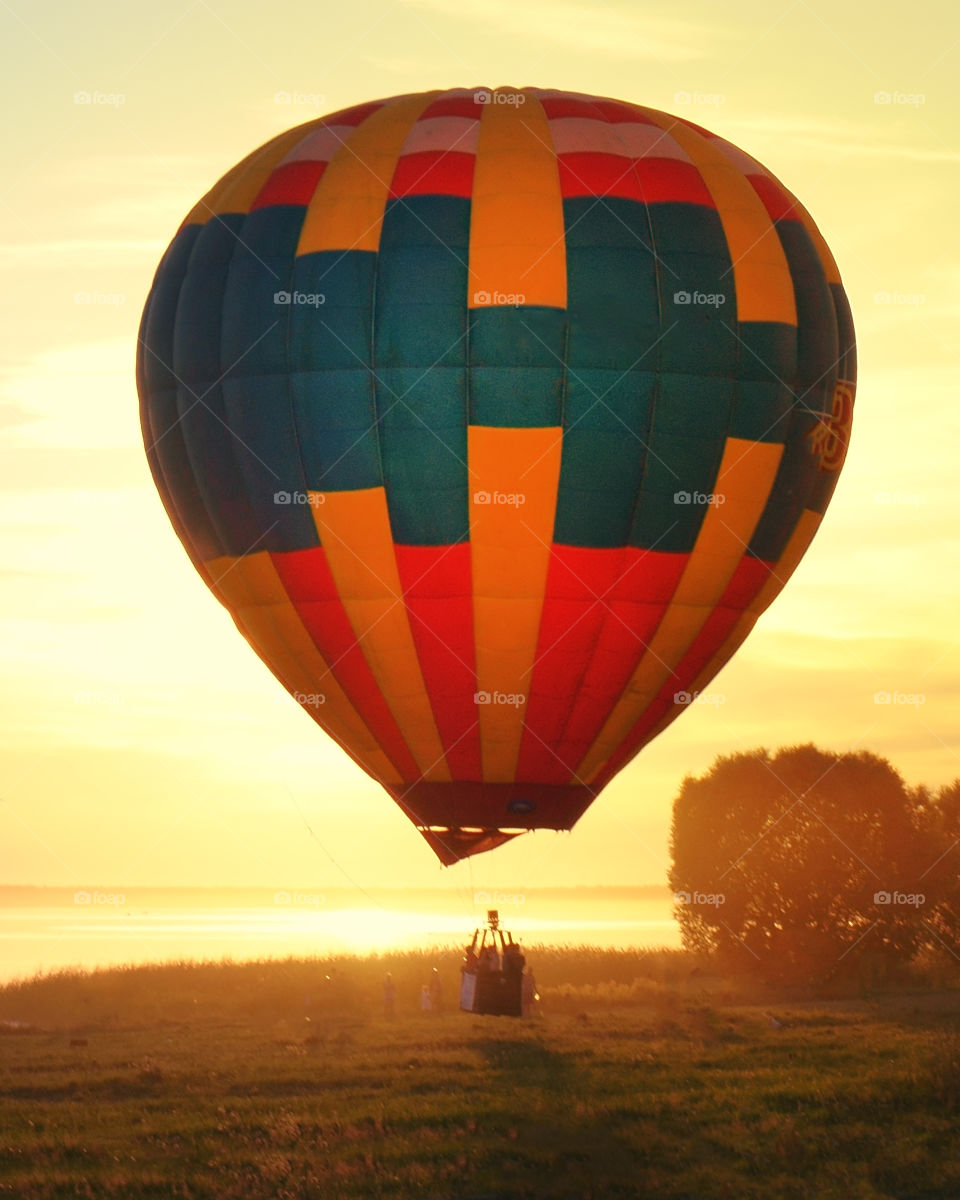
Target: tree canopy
<point x="806" y="862"/>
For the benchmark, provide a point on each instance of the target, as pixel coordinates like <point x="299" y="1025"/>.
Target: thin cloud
<point x="78" y="397"/>
<point x="13" y="415"/>
<point x="84" y="248"/>
<point x="860" y="139"/>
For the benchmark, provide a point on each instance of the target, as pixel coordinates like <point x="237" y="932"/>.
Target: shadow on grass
<point x="565" y="1146"/>
<point x="524" y="1056"/>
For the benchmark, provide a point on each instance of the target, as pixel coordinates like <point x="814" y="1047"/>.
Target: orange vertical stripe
<point x="745" y="479"/>
<point x="346" y="212"/>
<point x="787" y="563"/>
<point x="354" y="528"/>
<point x="255" y="596"/>
<point x="514" y="474"/>
<point x="761" y="274"/>
<point x="517" y="240"/>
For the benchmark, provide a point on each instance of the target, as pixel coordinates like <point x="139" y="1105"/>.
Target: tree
<point x="941" y="879"/>
<point x="800" y="864"/>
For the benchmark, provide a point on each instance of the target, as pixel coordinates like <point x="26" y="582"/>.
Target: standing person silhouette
<point x="436" y="991"/>
<point x="528" y="993"/>
<point x="389" y="997"/>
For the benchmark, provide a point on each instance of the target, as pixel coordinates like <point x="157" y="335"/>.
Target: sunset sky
<point x="142" y="740"/>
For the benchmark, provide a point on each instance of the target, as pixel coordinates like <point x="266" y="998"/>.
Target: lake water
<point x="46" y="930"/>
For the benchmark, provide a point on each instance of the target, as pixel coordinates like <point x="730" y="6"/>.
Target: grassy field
<point x="640" y="1076"/>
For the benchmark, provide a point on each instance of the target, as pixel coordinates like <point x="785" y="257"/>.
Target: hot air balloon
<point x="496" y="418"/>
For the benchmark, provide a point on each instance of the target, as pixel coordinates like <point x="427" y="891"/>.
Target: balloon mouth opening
<point x="453" y="843"/>
<point x="472" y="829"/>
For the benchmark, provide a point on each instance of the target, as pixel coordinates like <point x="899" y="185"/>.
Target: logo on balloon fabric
<point x="831" y="435"/>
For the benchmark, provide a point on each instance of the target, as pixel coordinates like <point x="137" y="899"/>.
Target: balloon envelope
<point x="496" y="419"/>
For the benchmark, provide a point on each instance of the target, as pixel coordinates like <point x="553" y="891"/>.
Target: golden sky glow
<point x="141" y="739"/>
